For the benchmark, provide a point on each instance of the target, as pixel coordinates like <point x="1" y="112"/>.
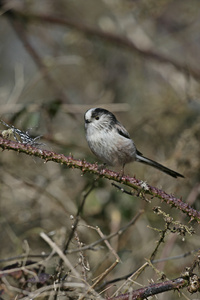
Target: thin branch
<point x="132" y="277"/>
<point x="56" y="249"/>
<point x="19" y="26"/>
<point x="187" y="279"/>
<point x="86" y="167"/>
<point x="129" y="275"/>
<point x="112" y="38"/>
<point x="108" y="270"/>
<point x="80" y="209"/>
<point x="51" y="288"/>
<point x="74" y="227"/>
<point x="153" y="289"/>
<point x="87" y="247"/>
<point x="25" y="268"/>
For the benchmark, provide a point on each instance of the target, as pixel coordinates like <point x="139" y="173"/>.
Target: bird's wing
<point x="122" y="131"/>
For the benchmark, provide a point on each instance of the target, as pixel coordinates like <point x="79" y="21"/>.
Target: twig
<point x="133" y="275"/>
<point x="188" y="278"/>
<point x="87" y="247"/>
<point x="119" y="232"/>
<point x="60" y="253"/>
<point x="74" y="226"/>
<point x="22" y="268"/>
<point x="80" y="209"/>
<point x="105" y="173"/>
<point x="38" y="292"/>
<point x="108" y="270"/>
<point x="108" y="244"/>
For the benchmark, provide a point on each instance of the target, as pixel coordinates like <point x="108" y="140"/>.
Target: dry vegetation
<point x="68" y="229"/>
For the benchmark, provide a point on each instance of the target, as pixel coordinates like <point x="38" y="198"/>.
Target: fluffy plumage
<point x="111" y="142"/>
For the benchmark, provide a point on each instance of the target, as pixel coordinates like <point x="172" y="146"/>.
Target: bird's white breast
<point x="109" y="146"/>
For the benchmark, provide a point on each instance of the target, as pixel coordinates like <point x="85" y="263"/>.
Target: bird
<point x="111" y="143"/>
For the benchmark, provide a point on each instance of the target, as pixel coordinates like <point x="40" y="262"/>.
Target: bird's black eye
<point x="97" y="118"/>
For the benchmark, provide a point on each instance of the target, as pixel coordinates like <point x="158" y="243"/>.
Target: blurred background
<point x="138" y="59"/>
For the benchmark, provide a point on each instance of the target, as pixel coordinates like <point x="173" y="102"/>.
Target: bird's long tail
<point x="147" y="161"/>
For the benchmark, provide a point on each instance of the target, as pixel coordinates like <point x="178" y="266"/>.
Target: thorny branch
<point x="153" y="289"/>
<point x="187" y="279"/>
<point x="86" y="167"/>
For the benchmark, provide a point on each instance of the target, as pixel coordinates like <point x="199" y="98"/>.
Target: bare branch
<point x="153" y="289"/>
<point x="122" y="41"/>
<point x="60" y="253"/>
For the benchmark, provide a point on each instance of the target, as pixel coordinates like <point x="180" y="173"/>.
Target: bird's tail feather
<point x="147" y="161"/>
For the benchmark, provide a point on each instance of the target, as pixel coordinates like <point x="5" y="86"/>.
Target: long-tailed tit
<point x="111" y="143"/>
